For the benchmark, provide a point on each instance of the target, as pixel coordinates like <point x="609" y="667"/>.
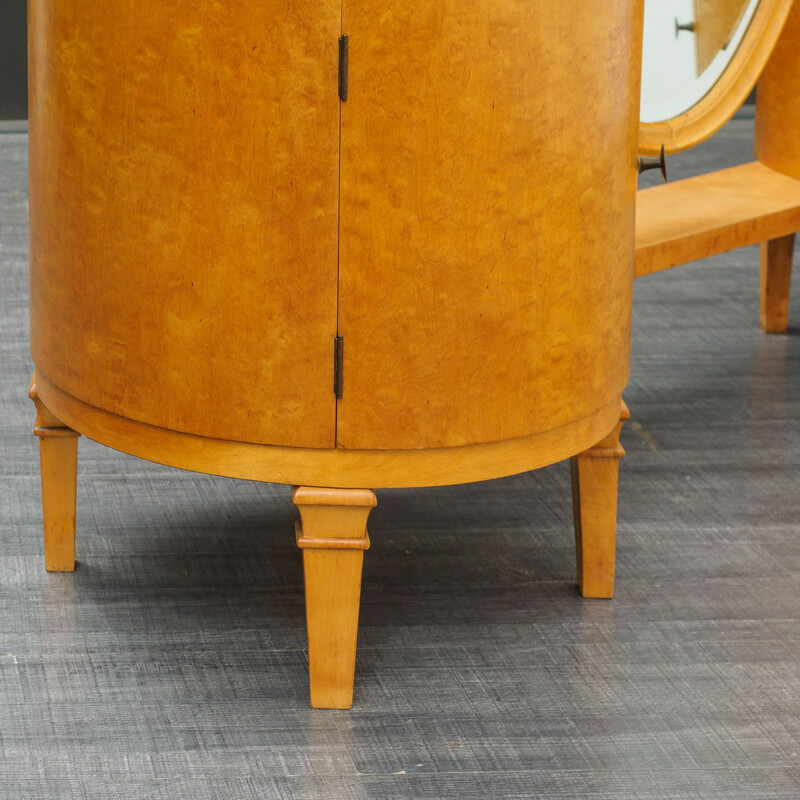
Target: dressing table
<point x="365" y="245"/>
<point x="755" y="203"/>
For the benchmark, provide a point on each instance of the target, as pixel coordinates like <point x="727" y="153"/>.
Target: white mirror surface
<point x="688" y="44"/>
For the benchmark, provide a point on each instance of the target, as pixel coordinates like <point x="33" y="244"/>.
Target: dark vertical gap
<point x="338" y="226"/>
<point x="14" y="62"/>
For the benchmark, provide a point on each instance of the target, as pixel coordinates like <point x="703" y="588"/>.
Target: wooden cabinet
<point x="755" y="203"/>
<point x="207" y="216"/>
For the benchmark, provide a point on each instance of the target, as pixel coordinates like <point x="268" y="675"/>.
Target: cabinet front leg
<point x="776" y="278"/>
<point x="594" y="502"/>
<point x="58" y="459"/>
<point x="332" y="533"/>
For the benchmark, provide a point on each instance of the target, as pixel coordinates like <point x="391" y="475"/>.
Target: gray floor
<point x="171" y="663"/>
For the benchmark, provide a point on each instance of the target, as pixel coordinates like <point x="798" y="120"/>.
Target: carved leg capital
<point x="332" y="534"/>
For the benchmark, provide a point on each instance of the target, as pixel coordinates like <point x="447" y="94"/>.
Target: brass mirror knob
<point x="683" y="26"/>
<point x="654" y="163"/>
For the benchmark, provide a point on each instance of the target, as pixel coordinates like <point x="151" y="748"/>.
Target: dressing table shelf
<point x="752" y="203"/>
<point x="713" y="213"/>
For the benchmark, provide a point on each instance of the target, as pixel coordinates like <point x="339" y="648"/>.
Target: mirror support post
<point x="777" y="145"/>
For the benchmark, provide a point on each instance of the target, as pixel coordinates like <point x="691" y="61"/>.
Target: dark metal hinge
<point x="338" y="364"/>
<point x="343" y="67"/>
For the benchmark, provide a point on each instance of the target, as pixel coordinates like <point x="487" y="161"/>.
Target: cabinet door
<point x="184" y="205"/>
<point x="488" y="176"/>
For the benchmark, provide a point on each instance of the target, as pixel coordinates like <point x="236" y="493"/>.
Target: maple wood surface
<point x="196" y="246"/>
<point x="487" y="195"/>
<point x="184" y="201"/>
<point x="778" y="102"/>
<point x="334" y="467"/>
<point x="58" y="458"/>
<point x="712" y="213"/>
<point x="595" y="476"/>
<point x="776" y="276"/>
<point x="183" y="205"/>
<point x="333" y="537"/>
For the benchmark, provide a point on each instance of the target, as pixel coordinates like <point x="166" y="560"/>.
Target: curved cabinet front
<point x="206" y="216"/>
<point x="183" y="202"/>
<point x="488" y="180"/>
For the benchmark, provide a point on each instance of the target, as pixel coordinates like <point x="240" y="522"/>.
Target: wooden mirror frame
<point x="721" y="102"/>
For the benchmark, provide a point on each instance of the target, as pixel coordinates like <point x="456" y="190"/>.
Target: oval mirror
<point x="700" y="60"/>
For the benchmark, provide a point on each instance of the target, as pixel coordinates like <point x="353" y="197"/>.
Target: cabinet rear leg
<point x="776" y="278"/>
<point x="594" y="502"/>
<point x="58" y="457"/>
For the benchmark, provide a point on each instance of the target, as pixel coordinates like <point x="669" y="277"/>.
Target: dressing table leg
<point x="776" y="276"/>
<point x="332" y="533"/>
<point x="58" y="457"/>
<point x="594" y="502"/>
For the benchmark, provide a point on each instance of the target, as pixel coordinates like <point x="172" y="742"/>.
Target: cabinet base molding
<point x="333" y="467"/>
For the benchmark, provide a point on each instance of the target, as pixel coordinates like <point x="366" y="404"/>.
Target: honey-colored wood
<point x="778" y="103"/>
<point x="776" y="276"/>
<point x="700" y="217"/>
<point x="333" y="536"/>
<point x="715" y="22"/>
<point x="188" y="273"/>
<point x="594" y="502"/>
<point x="184" y="205"/>
<point x="737" y="81"/>
<point x="58" y="456"/>
<point x="334" y="467"/>
<point x="486" y="235"/>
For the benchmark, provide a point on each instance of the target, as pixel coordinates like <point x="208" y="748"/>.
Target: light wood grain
<point x="778" y="102"/>
<point x="329" y="467"/>
<point x="58" y="457"/>
<point x="183" y="204"/>
<point x="486" y="249"/>
<point x="594" y="501"/>
<point x="709" y="214"/>
<point x="333" y="536"/>
<point x="776" y="277"/>
<point x="723" y="99"/>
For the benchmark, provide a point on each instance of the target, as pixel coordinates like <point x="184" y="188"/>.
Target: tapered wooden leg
<point x="776" y="277"/>
<point x="58" y="457"/>
<point x="332" y="533"/>
<point x="594" y="501"/>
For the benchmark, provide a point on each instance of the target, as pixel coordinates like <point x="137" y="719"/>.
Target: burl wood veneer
<point x="207" y="217"/>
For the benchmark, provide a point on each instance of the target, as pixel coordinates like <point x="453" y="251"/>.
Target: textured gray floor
<point x="171" y="663"/>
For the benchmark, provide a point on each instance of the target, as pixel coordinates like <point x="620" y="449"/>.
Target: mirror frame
<point x="725" y="97"/>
